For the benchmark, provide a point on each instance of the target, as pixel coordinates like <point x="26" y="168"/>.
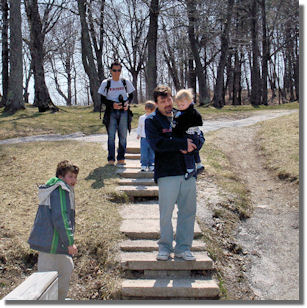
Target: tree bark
<point x="219" y="99"/>
<point x="192" y="75"/>
<point x="5" y="52"/>
<point x="152" y="37"/>
<point x="265" y="56"/>
<point x="14" y="96"/>
<point x="88" y="57"/>
<point x="255" y="73"/>
<point x="41" y="95"/>
<point x="200" y="71"/>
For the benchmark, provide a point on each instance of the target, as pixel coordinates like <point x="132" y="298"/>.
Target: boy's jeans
<point x="174" y="189"/>
<point x="118" y="122"/>
<point x="147" y="154"/>
<point x="63" y="264"/>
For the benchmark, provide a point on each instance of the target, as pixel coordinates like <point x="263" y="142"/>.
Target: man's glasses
<point x="116" y="71"/>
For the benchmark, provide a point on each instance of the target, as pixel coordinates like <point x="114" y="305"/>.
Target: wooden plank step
<point x="137" y="182"/>
<point x="140" y="191"/>
<point x="133" y="156"/>
<point x="147" y="261"/>
<point x="151" y="245"/>
<point x="170" y="288"/>
<point x="149" y="228"/>
<point x="134" y="173"/>
<point x="133" y="149"/>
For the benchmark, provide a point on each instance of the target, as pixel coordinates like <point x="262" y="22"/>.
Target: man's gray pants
<point x="175" y="189"/>
<point x="61" y="263"/>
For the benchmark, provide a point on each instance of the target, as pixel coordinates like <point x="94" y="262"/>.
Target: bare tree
<point x="219" y="98"/>
<point x="200" y="71"/>
<point x="14" y="97"/>
<point x="88" y="57"/>
<point x="38" y="31"/>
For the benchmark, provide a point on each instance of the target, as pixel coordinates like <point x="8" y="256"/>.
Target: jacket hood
<point x="45" y="190"/>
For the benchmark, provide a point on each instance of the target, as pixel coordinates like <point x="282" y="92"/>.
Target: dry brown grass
<point x="279" y="141"/>
<point x="24" y="166"/>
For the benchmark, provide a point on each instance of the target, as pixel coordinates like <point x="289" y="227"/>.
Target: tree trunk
<point x="219" y="99"/>
<point x="41" y="95"/>
<point x="200" y="71"/>
<point x="5" y="52"/>
<point x="152" y="36"/>
<point x="255" y="73"/>
<point x="14" y="96"/>
<point x="87" y="56"/>
<point x="265" y="56"/>
<point x="135" y="84"/>
<point x="192" y="76"/>
<point x="236" y="96"/>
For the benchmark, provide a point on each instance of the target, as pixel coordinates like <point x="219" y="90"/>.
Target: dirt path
<point x="271" y="235"/>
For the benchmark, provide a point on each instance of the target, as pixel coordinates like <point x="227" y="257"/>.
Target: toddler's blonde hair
<point x="184" y="94"/>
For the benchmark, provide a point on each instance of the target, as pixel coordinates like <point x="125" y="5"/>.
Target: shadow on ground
<point x="100" y="174"/>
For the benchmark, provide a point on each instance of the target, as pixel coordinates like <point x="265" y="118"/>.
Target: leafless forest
<point x="231" y="52"/>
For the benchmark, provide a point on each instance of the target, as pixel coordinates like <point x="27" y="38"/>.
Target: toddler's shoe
<point x="189" y="174"/>
<point x="151" y="168"/>
<point x="200" y="170"/>
<point x="143" y="168"/>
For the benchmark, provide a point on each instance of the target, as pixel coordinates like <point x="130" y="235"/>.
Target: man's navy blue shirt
<point x="169" y="161"/>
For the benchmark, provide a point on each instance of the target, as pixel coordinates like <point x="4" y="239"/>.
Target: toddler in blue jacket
<point x="52" y="234"/>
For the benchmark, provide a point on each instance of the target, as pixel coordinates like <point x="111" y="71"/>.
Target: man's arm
<point x="160" y="143"/>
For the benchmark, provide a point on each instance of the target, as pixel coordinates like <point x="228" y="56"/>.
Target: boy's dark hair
<point x="114" y="64"/>
<point x="161" y="90"/>
<point x="150" y="105"/>
<point x="65" y="166"/>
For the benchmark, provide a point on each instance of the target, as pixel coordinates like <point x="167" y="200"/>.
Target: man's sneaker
<point x="111" y="162"/>
<point x="121" y="162"/>
<point x="186" y="255"/>
<point x="143" y="168"/>
<point x="151" y="168"/>
<point x="189" y="174"/>
<point x="200" y="170"/>
<point x="163" y="256"/>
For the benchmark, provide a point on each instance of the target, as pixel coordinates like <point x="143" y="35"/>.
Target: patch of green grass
<point x="279" y="142"/>
<point x="24" y="166"/>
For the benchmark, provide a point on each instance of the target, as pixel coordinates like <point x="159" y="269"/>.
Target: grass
<point x="23" y="167"/>
<point x="76" y="118"/>
<point x="219" y="167"/>
<point x="68" y="120"/>
<point x="279" y="142"/>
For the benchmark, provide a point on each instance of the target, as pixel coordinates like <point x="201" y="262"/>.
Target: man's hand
<point x="117" y="106"/>
<point x="72" y="250"/>
<point x="138" y="137"/>
<point x="191" y="147"/>
<point x="126" y="106"/>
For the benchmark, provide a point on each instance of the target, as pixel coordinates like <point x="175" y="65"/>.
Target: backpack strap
<point x="107" y="88"/>
<point x="125" y="84"/>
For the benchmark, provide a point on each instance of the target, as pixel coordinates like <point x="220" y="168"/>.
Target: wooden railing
<point x="38" y="286"/>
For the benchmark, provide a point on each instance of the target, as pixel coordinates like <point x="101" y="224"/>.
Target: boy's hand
<point x="126" y="106"/>
<point x="72" y="250"/>
<point x="138" y="137"/>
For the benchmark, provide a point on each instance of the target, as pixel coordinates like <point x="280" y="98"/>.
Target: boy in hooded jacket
<point x="52" y="234"/>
